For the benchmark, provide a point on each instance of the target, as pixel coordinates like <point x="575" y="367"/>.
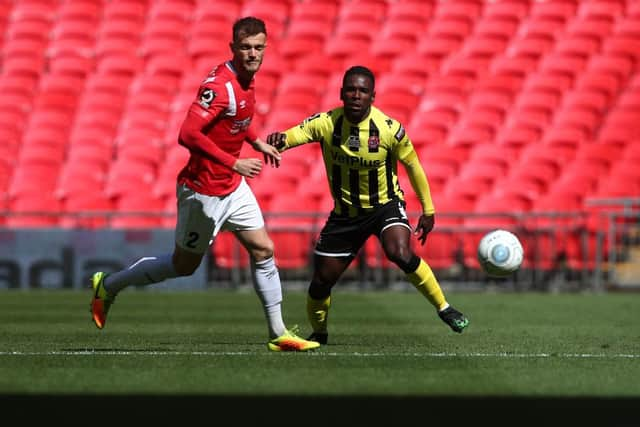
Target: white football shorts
<point x="202" y="217"/>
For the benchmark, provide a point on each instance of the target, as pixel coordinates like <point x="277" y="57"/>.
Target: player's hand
<point x="277" y="139"/>
<point x="425" y="225"/>
<point x="248" y="167"/>
<point x="271" y="154"/>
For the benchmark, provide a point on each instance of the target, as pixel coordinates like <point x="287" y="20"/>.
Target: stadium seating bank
<point x="525" y="114"/>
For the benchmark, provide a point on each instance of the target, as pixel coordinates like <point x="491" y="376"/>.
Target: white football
<point x="500" y="253"/>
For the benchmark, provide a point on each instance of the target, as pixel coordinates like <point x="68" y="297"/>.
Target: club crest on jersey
<point x="374" y="142"/>
<point x="206" y="97"/>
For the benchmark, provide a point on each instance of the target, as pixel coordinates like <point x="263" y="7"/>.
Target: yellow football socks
<point x="425" y="281"/>
<point x="317" y="312"/>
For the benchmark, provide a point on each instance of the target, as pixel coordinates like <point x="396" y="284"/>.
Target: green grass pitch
<point x="382" y="344"/>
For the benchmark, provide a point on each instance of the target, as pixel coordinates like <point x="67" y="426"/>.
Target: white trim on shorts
<point x="347" y="254"/>
<point x="333" y="255"/>
<point x="392" y="224"/>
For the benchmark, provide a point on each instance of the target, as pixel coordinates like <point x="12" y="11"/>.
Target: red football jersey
<point x="216" y="126"/>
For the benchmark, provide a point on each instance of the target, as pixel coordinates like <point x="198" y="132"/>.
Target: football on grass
<point x="500" y="253"/>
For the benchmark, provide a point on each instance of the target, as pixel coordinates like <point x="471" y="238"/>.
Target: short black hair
<point x="362" y="71"/>
<point x="248" y="26"/>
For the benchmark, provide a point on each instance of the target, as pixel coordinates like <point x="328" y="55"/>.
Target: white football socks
<point x="266" y="282"/>
<point x="145" y="271"/>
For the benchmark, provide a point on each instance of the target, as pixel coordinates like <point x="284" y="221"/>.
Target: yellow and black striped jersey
<point x="360" y="159"/>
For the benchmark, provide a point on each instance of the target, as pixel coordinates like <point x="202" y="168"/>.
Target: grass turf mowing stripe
<point x="353" y="354"/>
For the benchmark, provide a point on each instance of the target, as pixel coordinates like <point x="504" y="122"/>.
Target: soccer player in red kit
<point x="212" y="193"/>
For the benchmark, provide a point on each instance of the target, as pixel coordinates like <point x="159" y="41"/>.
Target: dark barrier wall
<point x="54" y="258"/>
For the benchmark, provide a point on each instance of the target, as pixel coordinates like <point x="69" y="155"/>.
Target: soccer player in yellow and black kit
<point x="361" y="147"/>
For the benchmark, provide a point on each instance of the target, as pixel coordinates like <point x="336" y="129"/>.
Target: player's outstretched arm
<point x="277" y="140"/>
<point x="271" y="154"/>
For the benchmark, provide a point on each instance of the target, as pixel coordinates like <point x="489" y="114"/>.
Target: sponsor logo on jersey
<point x="355" y="160"/>
<point x="240" y="125"/>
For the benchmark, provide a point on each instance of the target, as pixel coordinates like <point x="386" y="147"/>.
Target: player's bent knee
<point x="407" y="262"/>
<point x="262" y="252"/>
<point x="400" y="255"/>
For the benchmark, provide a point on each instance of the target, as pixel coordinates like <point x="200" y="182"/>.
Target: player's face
<point x="248" y="53"/>
<point x="357" y="96"/>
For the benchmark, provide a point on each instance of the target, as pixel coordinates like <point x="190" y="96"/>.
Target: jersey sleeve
<point x="212" y="100"/>
<point x="311" y="129"/>
<point x="208" y="105"/>
<point x="409" y="158"/>
<point x="403" y="146"/>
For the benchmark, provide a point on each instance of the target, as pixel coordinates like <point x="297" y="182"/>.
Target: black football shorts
<point x="343" y="236"/>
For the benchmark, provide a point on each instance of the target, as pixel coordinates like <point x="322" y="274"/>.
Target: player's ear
<point x="373" y="96"/>
<point x="341" y="94"/>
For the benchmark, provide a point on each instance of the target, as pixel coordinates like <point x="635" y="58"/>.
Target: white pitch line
<point x="319" y="354"/>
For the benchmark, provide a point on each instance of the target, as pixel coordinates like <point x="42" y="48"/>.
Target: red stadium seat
<point x="374" y="255"/>
<point x="545" y="161"/>
<point x="523" y="182"/>
<point x="623" y="46"/>
<point x="362" y="9"/>
<point x="579" y="179"/>
<point x="519" y="66"/>
<point x="578" y="45"/>
<point x="560" y="11"/>
<point x="79" y="177"/>
<point x="484" y="168"/>
<point x="599" y="81"/>
<point x="562" y="64"/>
<point x="598" y="166"/>
<point x="126" y="177"/>
<point x="532" y="46"/>
<point x="228" y="253"/>
<point x="555" y="228"/>
<point x="602" y="9"/>
<point x="564" y="140"/>
<point x="583" y="120"/>
<point x="631" y="152"/>
<point x="463" y="191"/>
<point x="484" y="46"/>
<point x="342" y="45"/>
<point x="136" y="149"/>
<point x="139" y="209"/>
<point x="129" y="9"/>
<point x="443" y="246"/>
<point x="438" y="45"/>
<point x="27" y="65"/>
<point x="411" y="9"/>
<point x="86" y="210"/>
<point x="591" y="100"/>
<point x="619" y="66"/>
<point x="125" y="64"/>
<point x="468" y="11"/>
<point x="34" y="176"/>
<point x="82" y="9"/>
<point x="34" y="210"/>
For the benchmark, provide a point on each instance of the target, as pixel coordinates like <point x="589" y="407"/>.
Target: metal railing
<point x="571" y="248"/>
